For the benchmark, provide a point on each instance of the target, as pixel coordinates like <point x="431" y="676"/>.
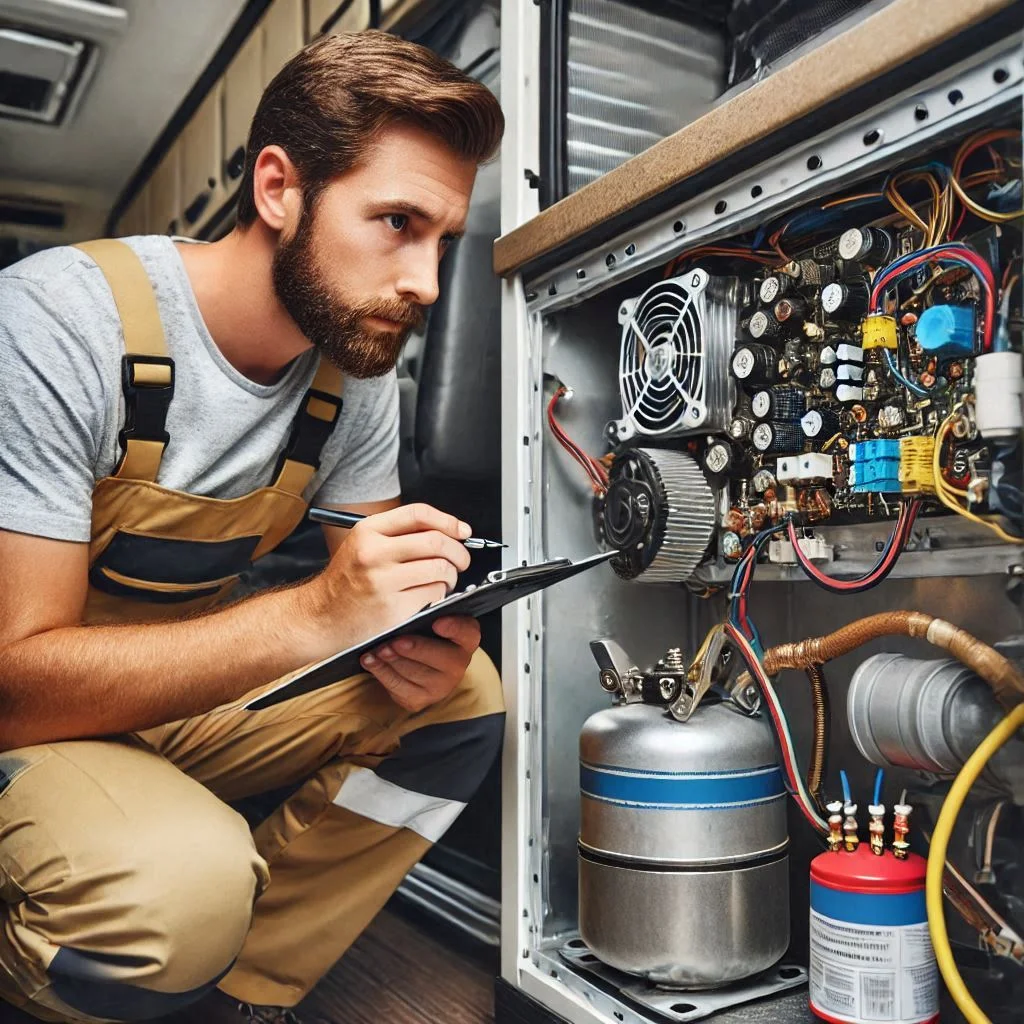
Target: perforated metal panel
<point x="633" y="77"/>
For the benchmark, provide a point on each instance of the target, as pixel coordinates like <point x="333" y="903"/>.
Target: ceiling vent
<point x="38" y="74"/>
<point x="35" y="213"/>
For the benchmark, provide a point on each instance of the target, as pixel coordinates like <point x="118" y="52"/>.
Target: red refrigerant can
<point x="871" y="957"/>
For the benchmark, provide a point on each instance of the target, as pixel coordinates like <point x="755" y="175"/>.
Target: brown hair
<point x="326" y="106"/>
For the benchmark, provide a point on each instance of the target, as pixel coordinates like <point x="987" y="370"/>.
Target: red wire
<point x="901" y="532"/>
<point x="981" y="270"/>
<point x="595" y="470"/>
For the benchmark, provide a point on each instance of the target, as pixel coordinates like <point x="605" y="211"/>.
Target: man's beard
<point x="333" y="325"/>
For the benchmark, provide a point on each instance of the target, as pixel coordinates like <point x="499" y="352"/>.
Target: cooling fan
<point x="674" y="357"/>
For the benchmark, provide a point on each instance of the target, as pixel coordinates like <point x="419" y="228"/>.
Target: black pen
<point x="332" y="517"/>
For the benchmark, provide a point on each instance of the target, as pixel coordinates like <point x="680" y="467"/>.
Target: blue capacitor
<point x="947" y="331"/>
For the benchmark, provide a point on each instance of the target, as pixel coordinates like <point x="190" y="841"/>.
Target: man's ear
<point x="276" y="189"/>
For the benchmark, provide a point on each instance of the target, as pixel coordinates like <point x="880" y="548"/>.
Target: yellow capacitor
<point x="879" y="331"/>
<point x="916" y="476"/>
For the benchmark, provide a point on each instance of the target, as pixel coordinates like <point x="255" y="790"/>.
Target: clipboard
<point x="499" y="589"/>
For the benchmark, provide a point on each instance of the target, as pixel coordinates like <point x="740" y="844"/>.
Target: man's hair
<point x="328" y="104"/>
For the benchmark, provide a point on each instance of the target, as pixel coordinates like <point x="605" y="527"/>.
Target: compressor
<point x="683" y="869"/>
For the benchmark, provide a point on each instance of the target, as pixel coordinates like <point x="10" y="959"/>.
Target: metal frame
<point x="987" y="81"/>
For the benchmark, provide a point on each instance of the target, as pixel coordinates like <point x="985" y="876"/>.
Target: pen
<point x="332" y="517"/>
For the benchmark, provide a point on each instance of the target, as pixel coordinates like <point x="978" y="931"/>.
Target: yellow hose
<point x="974" y="766"/>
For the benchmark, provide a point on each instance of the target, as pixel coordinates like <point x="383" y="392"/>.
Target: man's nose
<point x="418" y="282"/>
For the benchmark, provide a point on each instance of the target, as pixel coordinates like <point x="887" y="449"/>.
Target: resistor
<point x="901" y="827"/>
<point x="835" y="825"/>
<point x="876" y="828"/>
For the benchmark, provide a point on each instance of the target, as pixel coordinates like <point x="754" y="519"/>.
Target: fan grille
<point x="662" y="362"/>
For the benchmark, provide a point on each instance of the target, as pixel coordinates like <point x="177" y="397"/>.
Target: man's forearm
<point x="79" y="681"/>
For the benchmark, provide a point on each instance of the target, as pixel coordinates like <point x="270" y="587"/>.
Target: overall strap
<point x="147" y="373"/>
<point x="312" y="426"/>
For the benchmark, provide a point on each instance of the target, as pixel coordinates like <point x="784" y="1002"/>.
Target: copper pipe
<point x="819" y="740"/>
<point x="1006" y="681"/>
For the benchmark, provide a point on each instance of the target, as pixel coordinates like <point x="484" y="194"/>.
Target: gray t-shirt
<point x="61" y="405"/>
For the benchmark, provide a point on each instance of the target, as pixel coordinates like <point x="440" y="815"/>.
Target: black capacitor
<point x="762" y="404"/>
<point x="776" y="438"/>
<point x="763" y="324"/>
<point x="874" y="246"/>
<point x="792" y="311"/>
<point x="845" y="301"/>
<point x="820" y="424"/>
<point x="774" y="287"/>
<point x="722" y="459"/>
<point x="788" y="403"/>
<point x="755" y="365"/>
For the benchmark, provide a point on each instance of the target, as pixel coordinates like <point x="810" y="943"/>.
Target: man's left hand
<point x="419" y="671"/>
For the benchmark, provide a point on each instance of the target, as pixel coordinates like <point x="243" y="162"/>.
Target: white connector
<point x="998" y="386"/>
<point x="815" y="466"/>
<point x="787" y="469"/>
<point x="780" y="550"/>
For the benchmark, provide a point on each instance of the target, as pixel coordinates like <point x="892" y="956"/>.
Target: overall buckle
<point x="148" y="386"/>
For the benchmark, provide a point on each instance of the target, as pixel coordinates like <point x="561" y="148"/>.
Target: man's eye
<point x="397" y="220"/>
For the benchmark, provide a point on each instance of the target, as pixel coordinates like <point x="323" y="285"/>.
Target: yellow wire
<point x="974" y="766"/>
<point x="941" y="487"/>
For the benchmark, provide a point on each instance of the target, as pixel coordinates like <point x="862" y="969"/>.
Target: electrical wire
<point x="879" y="779"/>
<point x="847" y="795"/>
<point x="771" y="700"/>
<point x="596" y="471"/>
<point x="947" y="494"/>
<point x="969" y="147"/>
<point x="885" y="564"/>
<point x="914" y="389"/>
<point x="949" y="252"/>
<point x="951" y="806"/>
<point x="990" y="835"/>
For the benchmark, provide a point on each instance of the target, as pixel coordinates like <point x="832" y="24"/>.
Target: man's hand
<point x="389" y="567"/>
<point x="419" y="671"/>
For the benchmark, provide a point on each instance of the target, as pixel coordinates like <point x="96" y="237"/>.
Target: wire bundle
<point x="949" y="252"/>
<point x="886" y="561"/>
<point x="596" y="471"/>
<point x="789" y="762"/>
<point x="950" y="495"/>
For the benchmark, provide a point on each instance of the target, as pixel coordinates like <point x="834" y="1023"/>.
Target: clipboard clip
<point x="523" y="573"/>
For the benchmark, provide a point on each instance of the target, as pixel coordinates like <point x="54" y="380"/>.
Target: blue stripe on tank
<point x="877" y="908"/>
<point x="682" y="791"/>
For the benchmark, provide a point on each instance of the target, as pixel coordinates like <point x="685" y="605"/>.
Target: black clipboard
<point x="499" y="589"/>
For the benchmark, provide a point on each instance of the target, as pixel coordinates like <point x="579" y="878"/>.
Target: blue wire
<point x="909" y="385"/>
<point x="846" y="787"/>
<point x="879" y="775"/>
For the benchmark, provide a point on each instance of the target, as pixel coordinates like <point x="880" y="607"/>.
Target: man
<point x="168" y="412"/>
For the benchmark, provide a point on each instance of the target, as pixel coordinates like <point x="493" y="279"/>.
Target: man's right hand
<point x="389" y="566"/>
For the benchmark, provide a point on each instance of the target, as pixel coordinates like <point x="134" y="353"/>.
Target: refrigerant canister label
<point x="861" y="972"/>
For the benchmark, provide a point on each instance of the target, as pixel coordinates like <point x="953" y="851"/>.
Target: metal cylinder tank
<point x="683" y="874"/>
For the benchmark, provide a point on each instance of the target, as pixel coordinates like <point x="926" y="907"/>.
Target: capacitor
<point x="763" y="480"/>
<point x="819" y="424"/>
<point x="722" y="459"/>
<point x="730" y="545"/>
<point x="827" y="378"/>
<point x="792" y="310"/>
<point x="846" y="301"/>
<point x="755" y="365"/>
<point x="761" y="404"/>
<point x="828" y="356"/>
<point x="764" y="325"/>
<point x="946" y="331"/>
<point x="874" y="246"/>
<point x="774" y="287"/>
<point x="869" y="927"/>
<point x="772" y="438"/>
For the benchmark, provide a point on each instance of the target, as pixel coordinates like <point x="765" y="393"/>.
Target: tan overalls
<point x="128" y="882"/>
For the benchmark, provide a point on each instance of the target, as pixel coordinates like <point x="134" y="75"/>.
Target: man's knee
<point x="131" y="887"/>
<point x="177" y="920"/>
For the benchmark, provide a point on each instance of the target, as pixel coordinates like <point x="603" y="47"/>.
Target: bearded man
<point x="169" y="411"/>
